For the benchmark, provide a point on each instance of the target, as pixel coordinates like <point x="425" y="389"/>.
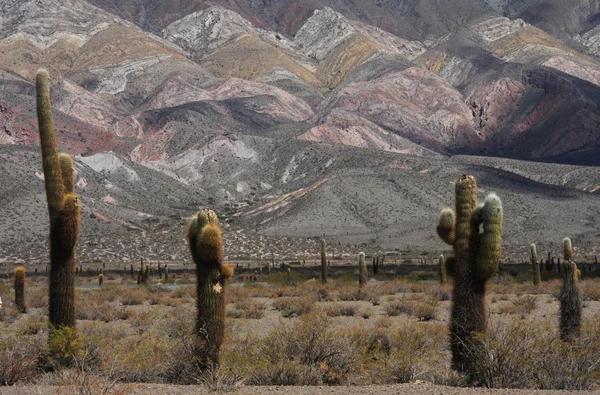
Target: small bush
<point x="294" y="307"/>
<point x="394" y="309"/>
<point x="248" y="309"/>
<point x="19" y="358"/>
<point x="339" y="309"/>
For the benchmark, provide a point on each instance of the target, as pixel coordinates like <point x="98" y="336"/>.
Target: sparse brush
<point x="570" y="297"/>
<point x="475" y="260"/>
<point x="20" y="288"/>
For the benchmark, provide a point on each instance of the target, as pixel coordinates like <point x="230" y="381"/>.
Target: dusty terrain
<point x="396" y="332"/>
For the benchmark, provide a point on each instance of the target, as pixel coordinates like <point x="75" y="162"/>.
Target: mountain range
<point x="298" y="120"/>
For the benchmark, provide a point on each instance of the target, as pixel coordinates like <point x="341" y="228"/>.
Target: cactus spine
<point x="20" y="288"/>
<point x="537" y="276"/>
<point x="570" y="297"/>
<point x="443" y="275"/>
<point x="206" y="247"/>
<point x="363" y="275"/>
<point x="474" y="262"/>
<point x="323" y="261"/>
<point x="64" y="210"/>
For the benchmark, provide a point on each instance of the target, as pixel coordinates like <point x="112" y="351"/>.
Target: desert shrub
<point x="323" y="295"/>
<point x="425" y="311"/>
<point x="293" y="307"/>
<point x="248" y="309"/>
<point x="101" y="312"/>
<point x="133" y="296"/>
<point x="522" y="305"/>
<point x="308" y="352"/>
<point x="396" y="308"/>
<point x="38" y="298"/>
<point x="184" y="292"/>
<point x="19" y="358"/>
<point x="32" y="325"/>
<point x="527" y="355"/>
<point x="339" y="309"/>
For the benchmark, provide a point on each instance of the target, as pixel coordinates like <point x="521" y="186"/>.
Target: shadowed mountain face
<point x="300" y="118"/>
<point x="413" y="19"/>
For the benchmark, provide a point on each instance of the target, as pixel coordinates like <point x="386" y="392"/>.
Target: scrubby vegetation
<point x="286" y="335"/>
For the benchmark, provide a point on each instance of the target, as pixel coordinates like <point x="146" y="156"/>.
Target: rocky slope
<point x="299" y="119"/>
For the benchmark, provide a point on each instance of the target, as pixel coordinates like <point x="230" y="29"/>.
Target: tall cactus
<point x="570" y="297"/>
<point x="363" y="275"/>
<point x="64" y="210"/>
<point x="20" y="288"/>
<point x="206" y="247"/>
<point x="535" y="264"/>
<point x="323" y="261"/>
<point x="475" y="260"/>
<point x="443" y="272"/>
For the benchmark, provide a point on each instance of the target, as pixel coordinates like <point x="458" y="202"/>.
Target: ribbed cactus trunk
<point x="363" y="274"/>
<point x="570" y="297"/>
<point x="206" y="247"/>
<point x="64" y="211"/>
<point x="475" y="260"/>
<point x="443" y="275"/>
<point x="535" y="264"/>
<point x="323" y="261"/>
<point x="20" y="288"/>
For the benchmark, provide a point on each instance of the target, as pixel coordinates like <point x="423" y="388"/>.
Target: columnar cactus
<point x="64" y="210"/>
<point x="537" y="276"/>
<point x="20" y="288"/>
<point x="206" y="247"/>
<point x="443" y="275"/>
<point x="570" y="297"/>
<point x="363" y="275"/>
<point x="475" y="260"/>
<point x="323" y="262"/>
<point x="100" y="279"/>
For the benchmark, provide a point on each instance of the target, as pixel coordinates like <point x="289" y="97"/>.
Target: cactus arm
<point x="534" y="257"/>
<point x="68" y="222"/>
<point x="67" y="172"/>
<point x="488" y="253"/>
<point x="50" y="161"/>
<point x="446" y="228"/>
<point x="567" y="249"/>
